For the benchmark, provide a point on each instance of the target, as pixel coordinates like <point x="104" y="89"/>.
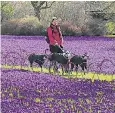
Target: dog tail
<point x="46" y="51"/>
<point x="47" y="55"/>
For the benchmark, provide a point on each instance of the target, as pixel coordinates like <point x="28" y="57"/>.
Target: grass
<point x="113" y="36"/>
<point x="90" y="75"/>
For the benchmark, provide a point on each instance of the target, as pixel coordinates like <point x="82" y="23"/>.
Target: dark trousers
<point x="56" y="49"/>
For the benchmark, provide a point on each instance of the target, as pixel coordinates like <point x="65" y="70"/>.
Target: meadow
<point x="27" y="91"/>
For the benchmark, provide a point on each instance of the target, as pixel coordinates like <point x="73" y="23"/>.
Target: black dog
<point x="79" y="60"/>
<point x="39" y="59"/>
<point x="60" y="58"/>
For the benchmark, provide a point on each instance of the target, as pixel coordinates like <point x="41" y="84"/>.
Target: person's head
<point x="54" y="21"/>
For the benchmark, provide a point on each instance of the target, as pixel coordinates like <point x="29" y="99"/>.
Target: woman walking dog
<point x="54" y="36"/>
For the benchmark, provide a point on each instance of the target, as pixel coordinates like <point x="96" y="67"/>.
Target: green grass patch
<point x="89" y="75"/>
<point x="112" y="36"/>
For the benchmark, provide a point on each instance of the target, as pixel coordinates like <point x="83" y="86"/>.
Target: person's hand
<point x="56" y="43"/>
<point x="61" y="46"/>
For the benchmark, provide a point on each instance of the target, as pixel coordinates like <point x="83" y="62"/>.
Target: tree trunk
<point x="37" y="14"/>
<point x="38" y="6"/>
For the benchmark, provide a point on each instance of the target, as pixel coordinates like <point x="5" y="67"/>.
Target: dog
<point x="79" y="61"/>
<point x="39" y="59"/>
<point x="60" y="58"/>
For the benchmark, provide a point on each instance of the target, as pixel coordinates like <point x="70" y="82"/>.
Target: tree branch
<point x="38" y="6"/>
<point x="34" y="3"/>
<point x="112" y="3"/>
<point x="47" y="5"/>
<point x="41" y="3"/>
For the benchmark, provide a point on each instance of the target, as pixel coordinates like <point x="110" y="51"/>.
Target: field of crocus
<point x="26" y="91"/>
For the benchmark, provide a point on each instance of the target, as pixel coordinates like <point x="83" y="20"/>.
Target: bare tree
<point x="100" y="13"/>
<point x="104" y="12"/>
<point x="38" y="6"/>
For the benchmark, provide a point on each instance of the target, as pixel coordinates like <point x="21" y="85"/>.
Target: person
<point x="55" y="37"/>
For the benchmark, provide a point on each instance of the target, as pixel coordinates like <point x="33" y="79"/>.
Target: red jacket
<point x="55" y="36"/>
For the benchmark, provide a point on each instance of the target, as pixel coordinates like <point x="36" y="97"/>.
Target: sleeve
<point x="60" y="32"/>
<point x="61" y="40"/>
<point x="50" y="35"/>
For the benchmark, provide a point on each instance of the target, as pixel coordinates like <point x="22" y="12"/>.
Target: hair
<point x="54" y="18"/>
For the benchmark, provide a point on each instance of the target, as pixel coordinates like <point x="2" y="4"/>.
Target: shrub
<point x="110" y="27"/>
<point x="23" y="26"/>
<point x="70" y="30"/>
<point x="95" y="30"/>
